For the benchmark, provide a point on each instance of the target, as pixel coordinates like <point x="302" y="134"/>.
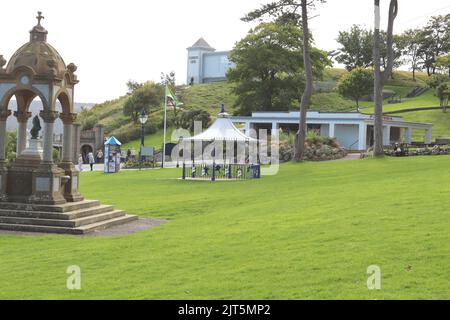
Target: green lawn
<point x="427" y="99"/>
<point x="151" y="140"/>
<point x="309" y="232"/>
<point x="439" y="119"/>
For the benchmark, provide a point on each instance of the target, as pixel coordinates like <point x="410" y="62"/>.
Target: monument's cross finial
<point x="40" y="17"/>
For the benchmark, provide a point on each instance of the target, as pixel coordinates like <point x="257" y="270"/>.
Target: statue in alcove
<point x="36" y="128"/>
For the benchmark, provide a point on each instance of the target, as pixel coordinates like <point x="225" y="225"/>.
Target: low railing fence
<point x="215" y="171"/>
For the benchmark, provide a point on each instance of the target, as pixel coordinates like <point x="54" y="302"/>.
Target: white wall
<point x="194" y="65"/>
<point x="215" y="65"/>
<point x="347" y="136"/>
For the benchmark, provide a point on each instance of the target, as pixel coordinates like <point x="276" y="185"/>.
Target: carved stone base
<point x="20" y="179"/>
<point x="48" y="185"/>
<point x="71" y="193"/>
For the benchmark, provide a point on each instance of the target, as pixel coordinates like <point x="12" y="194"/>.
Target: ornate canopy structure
<point x="221" y="130"/>
<point x="36" y="69"/>
<point x="37" y="195"/>
<point x="223" y="165"/>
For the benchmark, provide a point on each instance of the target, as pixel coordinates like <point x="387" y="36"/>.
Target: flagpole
<point x="165" y="129"/>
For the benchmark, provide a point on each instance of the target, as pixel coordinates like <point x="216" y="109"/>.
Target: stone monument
<point x="35" y="193"/>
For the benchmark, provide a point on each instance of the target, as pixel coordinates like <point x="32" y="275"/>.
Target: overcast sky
<point x="113" y="41"/>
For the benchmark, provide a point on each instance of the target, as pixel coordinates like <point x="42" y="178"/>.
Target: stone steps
<point x="67" y="207"/>
<point x="74" y="231"/>
<point x="77" y="214"/>
<point x="71" y="218"/>
<point x="63" y="223"/>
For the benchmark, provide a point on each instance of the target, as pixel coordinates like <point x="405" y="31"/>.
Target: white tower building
<point x="205" y="64"/>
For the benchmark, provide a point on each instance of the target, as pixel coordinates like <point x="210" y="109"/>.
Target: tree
<point x="444" y="62"/>
<point x="435" y="80"/>
<point x="169" y="80"/>
<point x="133" y="86"/>
<point x="443" y="92"/>
<point x="269" y="68"/>
<point x="398" y="49"/>
<point x="434" y="42"/>
<point x="438" y="32"/>
<point x="381" y="76"/>
<point x="288" y="9"/>
<point x="356" y="49"/>
<point x="146" y="97"/>
<point x="189" y="118"/>
<point x="356" y="84"/>
<point x="413" y="39"/>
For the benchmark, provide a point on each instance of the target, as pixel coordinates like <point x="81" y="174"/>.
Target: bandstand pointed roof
<point x="221" y="130"/>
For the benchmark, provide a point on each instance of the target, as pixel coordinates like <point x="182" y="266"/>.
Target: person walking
<point x="128" y="155"/>
<point x="80" y="162"/>
<point x="91" y="160"/>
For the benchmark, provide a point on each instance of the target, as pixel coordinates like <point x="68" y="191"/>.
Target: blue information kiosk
<point x="112" y="155"/>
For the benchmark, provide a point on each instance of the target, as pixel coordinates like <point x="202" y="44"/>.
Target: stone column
<point x="22" y="119"/>
<point x="247" y="128"/>
<point x="387" y="135"/>
<point x="49" y="118"/>
<point x="71" y="193"/>
<point x="331" y="132"/>
<point x="76" y="133"/>
<point x="3" y="170"/>
<point x="3" y="117"/>
<point x="428" y="136"/>
<point x="275" y="128"/>
<point x="408" y="135"/>
<point x="68" y="120"/>
<point x="362" y="137"/>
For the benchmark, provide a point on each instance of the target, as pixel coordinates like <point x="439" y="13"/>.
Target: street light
<point x="143" y="118"/>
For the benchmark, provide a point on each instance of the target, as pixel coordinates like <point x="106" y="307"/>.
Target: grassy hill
<point x="242" y="240"/>
<point x="209" y="96"/>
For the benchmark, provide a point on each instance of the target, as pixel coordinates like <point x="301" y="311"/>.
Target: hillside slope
<point x="209" y="96"/>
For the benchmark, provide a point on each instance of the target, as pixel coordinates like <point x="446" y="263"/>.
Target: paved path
<point x="141" y="224"/>
<point x="351" y="156"/>
<point x="100" y="167"/>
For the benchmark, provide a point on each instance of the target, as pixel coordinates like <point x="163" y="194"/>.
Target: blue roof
<point x="113" y="142"/>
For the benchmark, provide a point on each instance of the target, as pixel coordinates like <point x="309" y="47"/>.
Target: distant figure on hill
<point x="91" y="160"/>
<point x="133" y="154"/>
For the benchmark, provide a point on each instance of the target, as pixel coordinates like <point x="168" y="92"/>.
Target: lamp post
<point x="143" y="118"/>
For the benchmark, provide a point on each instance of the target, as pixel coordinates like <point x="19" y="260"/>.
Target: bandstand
<point x="222" y="152"/>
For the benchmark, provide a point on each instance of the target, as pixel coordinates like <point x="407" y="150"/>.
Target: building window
<point x="193" y="61"/>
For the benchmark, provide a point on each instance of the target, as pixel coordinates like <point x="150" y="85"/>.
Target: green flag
<point x="170" y="95"/>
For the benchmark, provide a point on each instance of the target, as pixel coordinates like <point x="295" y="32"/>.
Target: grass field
<point x="309" y="232"/>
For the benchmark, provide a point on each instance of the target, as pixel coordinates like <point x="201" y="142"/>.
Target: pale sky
<point x="114" y="41"/>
